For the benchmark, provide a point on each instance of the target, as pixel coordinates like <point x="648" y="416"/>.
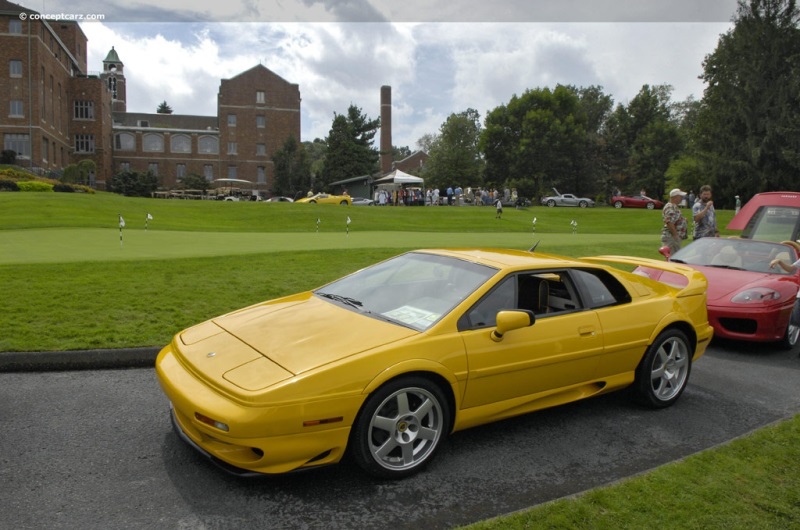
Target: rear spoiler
<point x="696" y="281"/>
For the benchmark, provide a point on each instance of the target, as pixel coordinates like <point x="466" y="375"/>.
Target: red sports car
<point x="639" y="201"/>
<point x="747" y="300"/>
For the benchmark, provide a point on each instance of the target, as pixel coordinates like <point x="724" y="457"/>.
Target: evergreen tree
<point x="350" y="152"/>
<point x="163" y="108"/>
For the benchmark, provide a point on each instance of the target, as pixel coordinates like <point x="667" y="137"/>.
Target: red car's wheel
<point x="651" y="205"/>
<point x="617" y="204"/>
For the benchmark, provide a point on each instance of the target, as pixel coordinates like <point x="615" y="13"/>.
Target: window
<point x="231" y="148"/>
<point x="180" y="143"/>
<point x="208" y="145"/>
<point x="45" y="149"/>
<point x="15" y="26"/>
<point x="142" y="123"/>
<point x="231" y="172"/>
<point x="261" y="96"/>
<point x="153" y="168"/>
<point x="153" y="143"/>
<point x="124" y="167"/>
<point x="231" y="120"/>
<point x="19" y="143"/>
<point x="601" y="289"/>
<point x="84" y="110"/>
<point x="15" y="109"/>
<point x="112" y="86"/>
<point x="208" y="172"/>
<point x="261" y="122"/>
<point x="261" y="173"/>
<point x="125" y="142"/>
<point x="261" y="149"/>
<point x="84" y="143"/>
<point x="15" y="68"/>
<point x="180" y="171"/>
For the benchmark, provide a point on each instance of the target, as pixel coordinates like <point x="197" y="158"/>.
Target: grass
<point x="69" y="284"/>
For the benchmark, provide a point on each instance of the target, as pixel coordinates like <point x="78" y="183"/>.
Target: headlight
<point x="756" y="295"/>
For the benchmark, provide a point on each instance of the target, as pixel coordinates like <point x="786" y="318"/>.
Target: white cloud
<point x="433" y="69"/>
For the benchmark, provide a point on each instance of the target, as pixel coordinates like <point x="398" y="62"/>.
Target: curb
<point x="45" y="361"/>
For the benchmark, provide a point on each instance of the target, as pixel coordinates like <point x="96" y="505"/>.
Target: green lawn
<point x="69" y="284"/>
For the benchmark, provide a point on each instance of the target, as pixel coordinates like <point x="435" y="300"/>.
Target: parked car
<point x="567" y="199"/>
<point x="637" y="201"/>
<point x="463" y="338"/>
<point x="771" y="216"/>
<point x="280" y="199"/>
<point x="362" y="201"/>
<point x="326" y="198"/>
<point x="747" y="299"/>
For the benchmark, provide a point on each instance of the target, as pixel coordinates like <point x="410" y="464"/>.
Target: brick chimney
<point x="386" y="129"/>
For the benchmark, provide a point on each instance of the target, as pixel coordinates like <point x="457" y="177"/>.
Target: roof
<point x="167" y="121"/>
<point x="8" y="7"/>
<point x="112" y="57"/>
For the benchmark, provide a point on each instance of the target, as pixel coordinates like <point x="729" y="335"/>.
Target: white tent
<point x="398" y="177"/>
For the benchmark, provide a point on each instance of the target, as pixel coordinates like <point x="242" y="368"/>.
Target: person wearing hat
<point x="674" y="231"/>
<point x="705" y="217"/>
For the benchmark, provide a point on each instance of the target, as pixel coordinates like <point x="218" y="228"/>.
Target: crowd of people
<point x="452" y="196"/>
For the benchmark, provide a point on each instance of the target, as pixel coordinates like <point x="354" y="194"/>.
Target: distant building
<point x="59" y="113"/>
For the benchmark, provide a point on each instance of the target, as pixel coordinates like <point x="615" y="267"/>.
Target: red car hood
<point x="724" y="283"/>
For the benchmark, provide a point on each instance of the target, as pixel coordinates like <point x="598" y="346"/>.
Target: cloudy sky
<point x="439" y="57"/>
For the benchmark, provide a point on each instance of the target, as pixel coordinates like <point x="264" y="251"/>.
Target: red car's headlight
<point x="756" y="295"/>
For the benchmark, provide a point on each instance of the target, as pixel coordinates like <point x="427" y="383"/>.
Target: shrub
<point x="8" y="185"/>
<point x="66" y="188"/>
<point x="31" y="185"/>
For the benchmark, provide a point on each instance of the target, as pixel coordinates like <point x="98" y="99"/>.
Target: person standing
<point x="674" y="231"/>
<point x="704" y="215"/>
<point x="498" y="203"/>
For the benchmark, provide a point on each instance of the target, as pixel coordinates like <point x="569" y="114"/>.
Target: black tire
<point x="400" y="427"/>
<point x="551" y="203"/>
<point x="651" y="206"/>
<point x="312" y="202"/>
<point x="662" y="374"/>
<point x="583" y="204"/>
<point x="618" y="204"/>
<point x="790" y="338"/>
<point x="343" y="203"/>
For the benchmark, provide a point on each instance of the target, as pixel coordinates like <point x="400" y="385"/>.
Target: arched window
<point x="153" y="142"/>
<point x="124" y="142"/>
<point x="180" y="143"/>
<point x="208" y="145"/>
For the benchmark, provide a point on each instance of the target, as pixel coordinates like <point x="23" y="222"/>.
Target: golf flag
<point x="146" y="219"/>
<point x="121" y="226"/>
<point x="348" y="225"/>
<point x="534" y="224"/>
<point x="317" y="224"/>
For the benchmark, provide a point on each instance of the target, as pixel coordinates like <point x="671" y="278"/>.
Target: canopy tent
<point x="398" y="177"/>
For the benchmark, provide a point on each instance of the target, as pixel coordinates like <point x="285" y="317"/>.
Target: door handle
<point x="587" y="331"/>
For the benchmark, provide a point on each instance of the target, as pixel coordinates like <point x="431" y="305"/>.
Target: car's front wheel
<point x="617" y="204"/>
<point x="400" y="428"/>
<point x="651" y="205"/>
<point x="790" y="338"/>
<point x="583" y="204"/>
<point x="664" y="370"/>
<point x="551" y="203"/>
<point x="343" y="203"/>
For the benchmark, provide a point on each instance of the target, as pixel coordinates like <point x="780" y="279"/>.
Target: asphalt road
<point x="95" y="450"/>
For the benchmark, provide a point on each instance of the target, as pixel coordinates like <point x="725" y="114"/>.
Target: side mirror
<point x="511" y="320"/>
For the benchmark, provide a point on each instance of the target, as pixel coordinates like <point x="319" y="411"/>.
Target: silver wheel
<point x="651" y="205"/>
<point x="790" y="338"/>
<point x="664" y="370"/>
<point x="551" y="203"/>
<point x="618" y="204"/>
<point x="400" y="428"/>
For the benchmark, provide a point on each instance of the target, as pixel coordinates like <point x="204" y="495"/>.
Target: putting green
<point x="95" y="244"/>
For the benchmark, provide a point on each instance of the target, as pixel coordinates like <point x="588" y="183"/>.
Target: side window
<point x="504" y="296"/>
<point x="601" y="289"/>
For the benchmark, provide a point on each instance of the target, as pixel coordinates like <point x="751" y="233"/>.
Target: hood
<point x="304" y="332"/>
<point x="723" y="284"/>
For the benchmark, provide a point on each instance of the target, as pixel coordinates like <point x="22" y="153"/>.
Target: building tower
<point x="386" y="129"/>
<point x="114" y="77"/>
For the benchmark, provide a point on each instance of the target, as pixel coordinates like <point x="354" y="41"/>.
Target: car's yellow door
<point x="557" y="351"/>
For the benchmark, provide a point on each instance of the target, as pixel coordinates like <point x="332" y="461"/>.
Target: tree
<point x="350" y="152"/>
<point x="79" y="173"/>
<point x="163" y="108"/>
<point x="292" y="169"/>
<point x="193" y="181"/>
<point x="748" y="127"/>
<point x="539" y="136"/>
<point x="455" y="158"/>
<point x="134" y="184"/>
<point x="315" y="153"/>
<point x="426" y="142"/>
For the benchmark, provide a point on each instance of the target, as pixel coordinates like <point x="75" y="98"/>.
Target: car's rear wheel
<point x="651" y="205"/>
<point x="400" y="428"/>
<point x="664" y="370"/>
<point x="617" y="204"/>
<point x="312" y="202"/>
<point x="551" y="203"/>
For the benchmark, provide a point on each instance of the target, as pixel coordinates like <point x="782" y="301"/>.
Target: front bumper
<point x="748" y="324"/>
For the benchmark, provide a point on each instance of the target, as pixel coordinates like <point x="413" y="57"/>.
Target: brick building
<point x="59" y="113"/>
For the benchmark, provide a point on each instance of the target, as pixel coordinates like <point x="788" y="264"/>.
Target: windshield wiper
<point x="352" y="302"/>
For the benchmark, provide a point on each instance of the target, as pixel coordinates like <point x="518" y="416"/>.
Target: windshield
<point x="415" y="289"/>
<point x="739" y="254"/>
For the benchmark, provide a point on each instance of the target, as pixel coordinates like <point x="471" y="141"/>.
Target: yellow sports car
<point x="385" y="363"/>
<point x="326" y="198"/>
